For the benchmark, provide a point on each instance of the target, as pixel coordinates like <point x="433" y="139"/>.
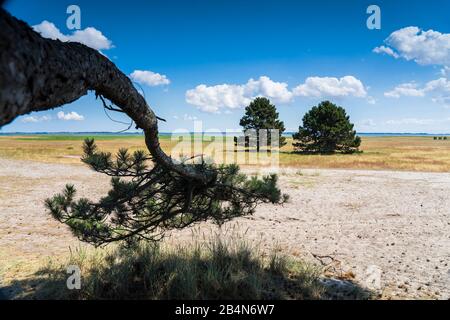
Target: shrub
<point x="326" y="129"/>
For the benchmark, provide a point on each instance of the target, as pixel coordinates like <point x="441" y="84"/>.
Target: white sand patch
<point x="396" y="221"/>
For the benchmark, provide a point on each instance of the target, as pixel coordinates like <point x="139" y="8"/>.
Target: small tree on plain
<point x="260" y="114"/>
<point x="326" y="129"/>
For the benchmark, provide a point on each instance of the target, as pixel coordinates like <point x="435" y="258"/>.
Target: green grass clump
<point x="213" y="270"/>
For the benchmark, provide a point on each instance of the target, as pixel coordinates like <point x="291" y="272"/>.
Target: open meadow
<point x="406" y="153"/>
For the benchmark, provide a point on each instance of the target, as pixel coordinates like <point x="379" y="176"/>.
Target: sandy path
<point x="394" y="222"/>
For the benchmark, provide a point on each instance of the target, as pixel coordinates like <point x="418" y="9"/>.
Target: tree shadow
<point x="309" y="153"/>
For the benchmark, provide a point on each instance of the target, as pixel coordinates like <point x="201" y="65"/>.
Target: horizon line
<point x="195" y="132"/>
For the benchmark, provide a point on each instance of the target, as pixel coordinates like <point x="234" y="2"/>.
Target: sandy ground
<point x="380" y="227"/>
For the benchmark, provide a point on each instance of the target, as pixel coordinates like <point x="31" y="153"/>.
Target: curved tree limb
<point x="38" y="74"/>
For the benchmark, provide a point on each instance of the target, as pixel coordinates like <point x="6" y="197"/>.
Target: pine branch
<point x="156" y="200"/>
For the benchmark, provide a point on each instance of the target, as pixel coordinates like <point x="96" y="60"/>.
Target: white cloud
<point x="445" y="71"/>
<point x="233" y="96"/>
<point x="33" y="119"/>
<point x="405" y="89"/>
<point x="212" y="99"/>
<point x="69" y="116"/>
<point x="90" y="36"/>
<point x="265" y="87"/>
<point x="149" y="78"/>
<point x="424" y="47"/>
<point x="386" y="50"/>
<point x="49" y="30"/>
<point x="30" y="119"/>
<point x="320" y="87"/>
<point x="438" y="90"/>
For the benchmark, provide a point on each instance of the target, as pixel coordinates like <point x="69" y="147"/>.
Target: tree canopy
<point x="260" y="114"/>
<point x="326" y="129"/>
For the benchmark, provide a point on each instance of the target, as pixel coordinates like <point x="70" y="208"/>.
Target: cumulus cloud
<point x="69" y="116"/>
<point x="233" y="96"/>
<point x="405" y="89"/>
<point x="265" y="87"/>
<point x="90" y="36"/>
<point x="319" y="87"/>
<point x="386" y="50"/>
<point x="213" y="98"/>
<point x="149" y="78"/>
<point x="445" y="71"/>
<point x="438" y="90"/>
<point x="424" y="47"/>
<point x="34" y="119"/>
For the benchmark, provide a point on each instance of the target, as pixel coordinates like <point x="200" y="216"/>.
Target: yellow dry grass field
<point x="406" y="153"/>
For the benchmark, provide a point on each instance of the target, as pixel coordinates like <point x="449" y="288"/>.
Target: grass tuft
<point x="216" y="269"/>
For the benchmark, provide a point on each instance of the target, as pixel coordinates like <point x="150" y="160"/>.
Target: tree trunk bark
<point x="39" y="74"/>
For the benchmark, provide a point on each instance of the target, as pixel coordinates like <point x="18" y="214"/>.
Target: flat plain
<point x="385" y="209"/>
<point x="405" y="153"/>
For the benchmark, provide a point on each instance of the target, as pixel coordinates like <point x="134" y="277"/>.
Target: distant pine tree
<point x="260" y="114"/>
<point x="326" y="129"/>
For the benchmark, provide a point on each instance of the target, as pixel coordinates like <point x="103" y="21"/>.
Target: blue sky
<point x="206" y="60"/>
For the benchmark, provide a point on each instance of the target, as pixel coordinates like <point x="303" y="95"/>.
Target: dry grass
<point x="383" y="153"/>
<point x="61" y="149"/>
<point x="216" y="269"/>
<point x="379" y="153"/>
